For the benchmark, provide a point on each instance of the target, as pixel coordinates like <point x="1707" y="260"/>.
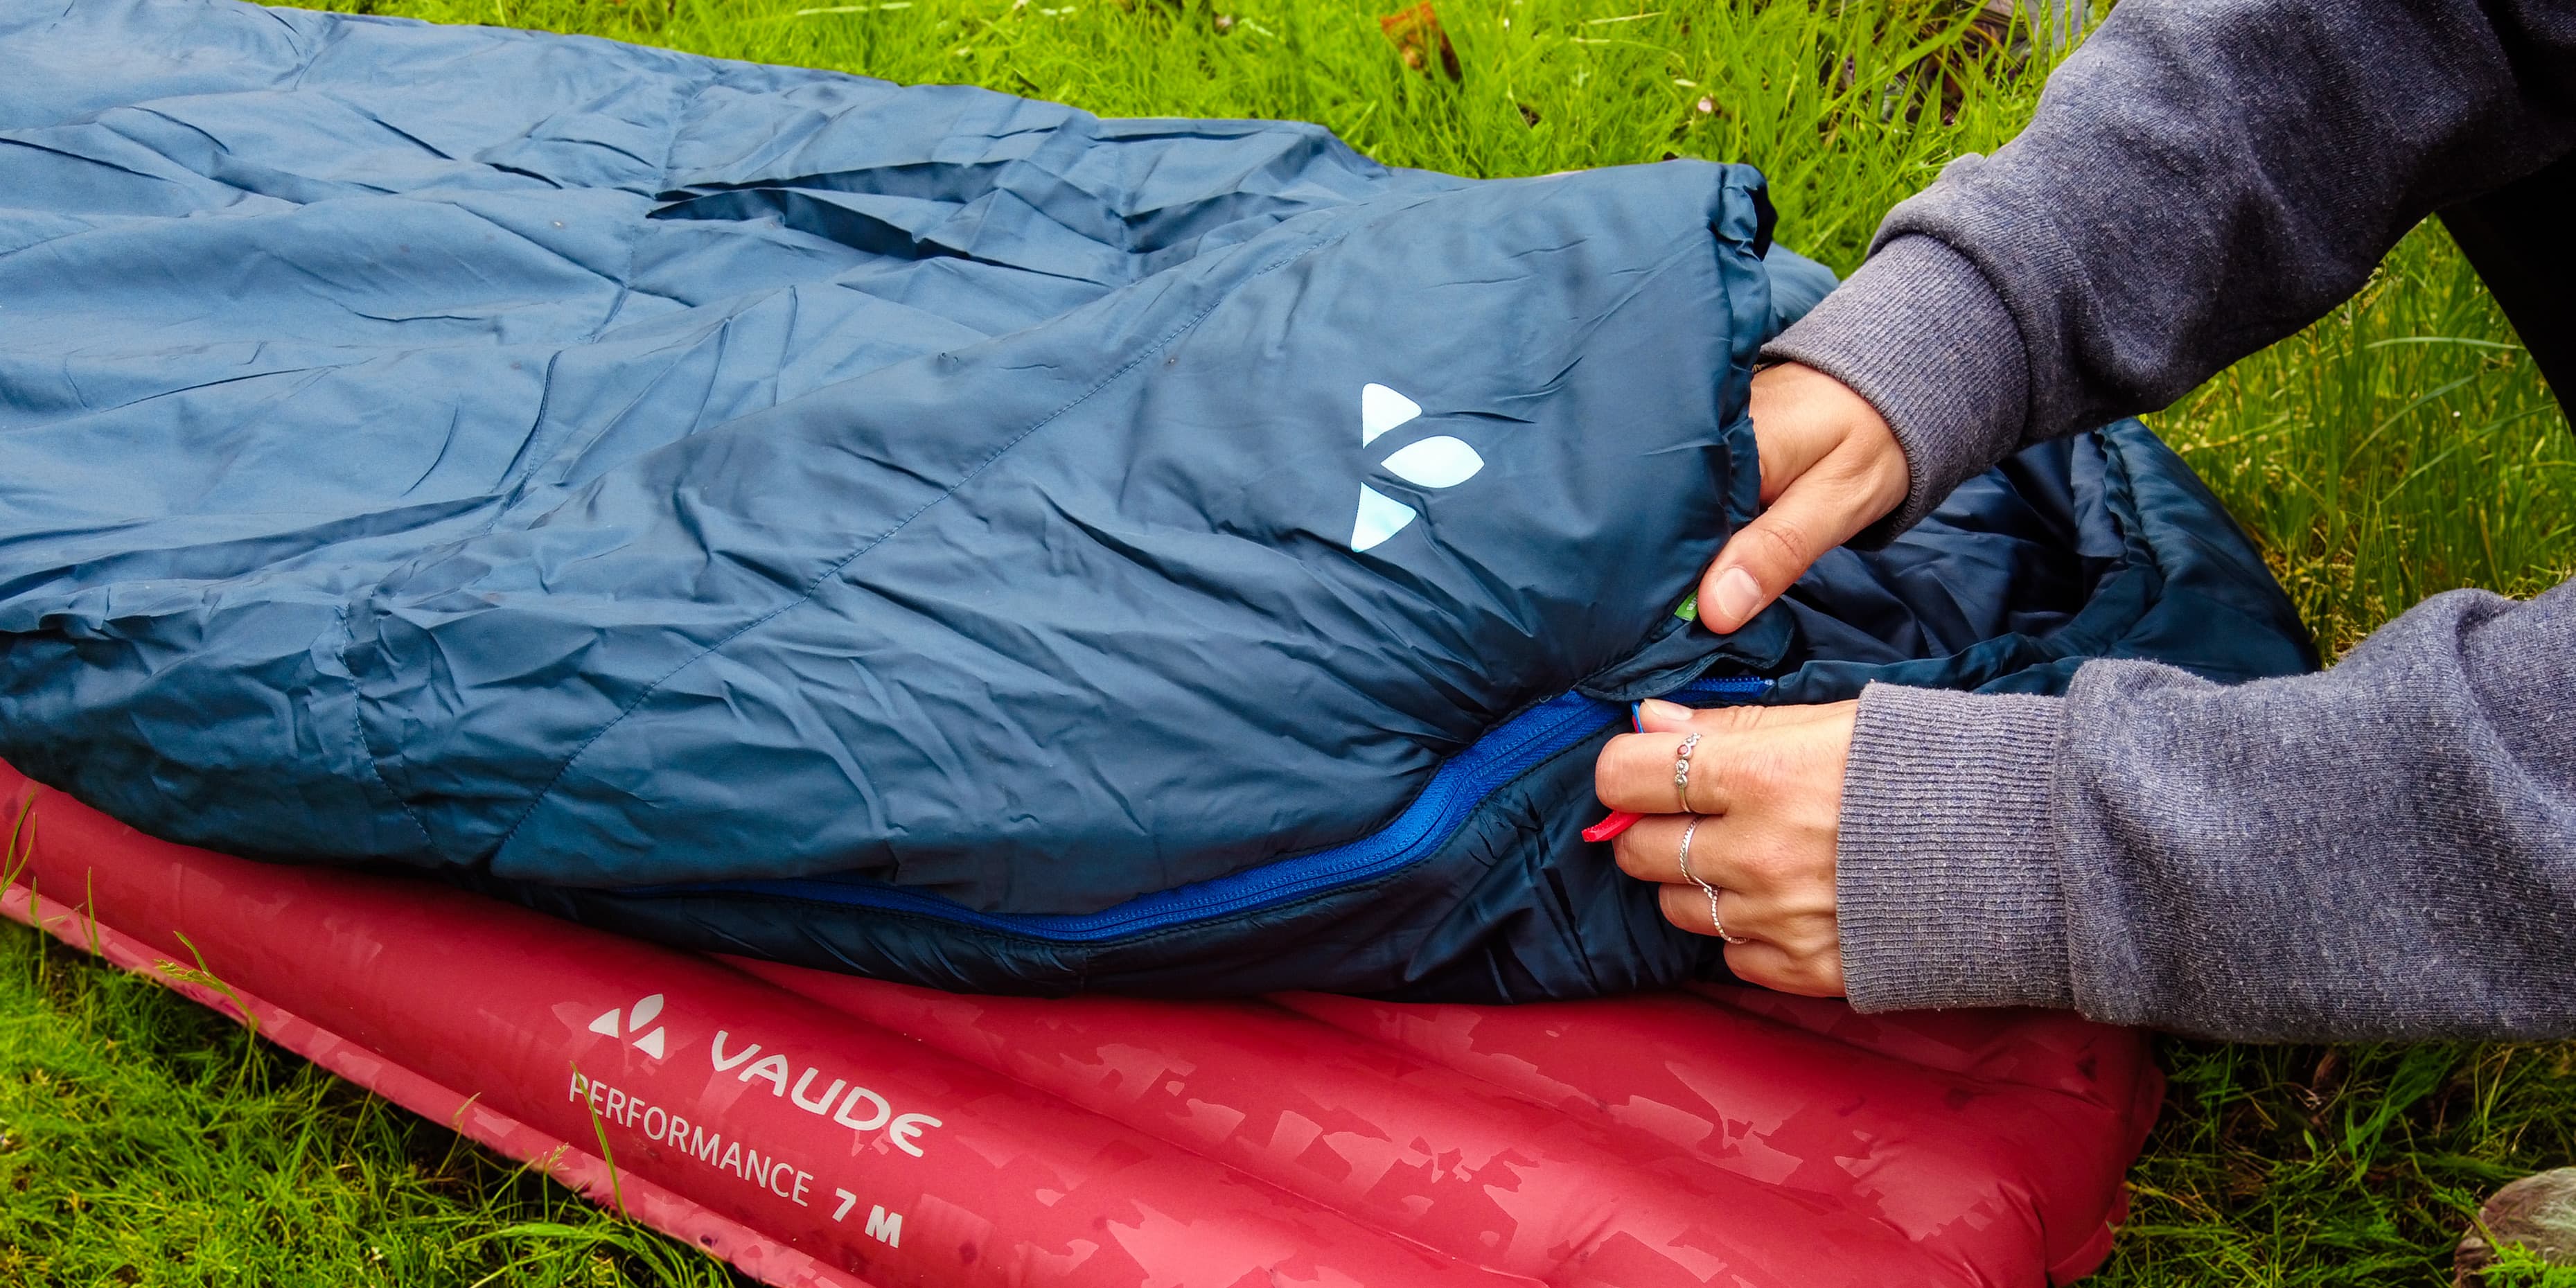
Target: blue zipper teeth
<point x="1723" y="686"/>
<point x="1460" y="785"/>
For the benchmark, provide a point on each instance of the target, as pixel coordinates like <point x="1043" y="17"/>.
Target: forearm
<point x="2383" y="850"/>
<point x="2202" y="178"/>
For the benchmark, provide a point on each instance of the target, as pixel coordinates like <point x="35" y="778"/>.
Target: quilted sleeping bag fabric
<point x="918" y="530"/>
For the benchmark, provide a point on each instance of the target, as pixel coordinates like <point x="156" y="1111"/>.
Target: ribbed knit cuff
<point x="1919" y="333"/>
<point x="1946" y="874"/>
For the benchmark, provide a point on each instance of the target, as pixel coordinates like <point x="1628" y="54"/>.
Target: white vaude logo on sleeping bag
<point x="626" y="1024"/>
<point x="1440" y="461"/>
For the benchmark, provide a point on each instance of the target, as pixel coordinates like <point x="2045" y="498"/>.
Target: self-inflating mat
<point x="819" y="1129"/>
<point x="956" y="540"/>
<point x="921" y="532"/>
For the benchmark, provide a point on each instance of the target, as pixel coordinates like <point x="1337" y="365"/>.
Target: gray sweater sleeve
<point x="2387" y="849"/>
<point x="2202" y="178"/>
<point x="2383" y="850"/>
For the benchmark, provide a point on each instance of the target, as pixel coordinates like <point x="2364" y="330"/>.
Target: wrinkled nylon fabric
<point x="569" y="466"/>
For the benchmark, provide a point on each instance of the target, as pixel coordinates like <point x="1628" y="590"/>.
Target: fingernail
<point x="1662" y="710"/>
<point x="1737" y="595"/>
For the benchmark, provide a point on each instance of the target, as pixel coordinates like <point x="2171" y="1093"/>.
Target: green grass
<point x="2402" y="447"/>
<point x="146" y="1140"/>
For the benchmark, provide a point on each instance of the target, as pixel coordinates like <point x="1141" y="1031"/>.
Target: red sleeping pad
<point x="820" y="1129"/>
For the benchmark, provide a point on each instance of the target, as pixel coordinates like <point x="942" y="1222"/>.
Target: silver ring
<point x="1681" y="771"/>
<point x="1714" y="923"/>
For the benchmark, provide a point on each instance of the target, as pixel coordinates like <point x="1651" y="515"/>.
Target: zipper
<point x="1723" y="687"/>
<point x="1457" y="788"/>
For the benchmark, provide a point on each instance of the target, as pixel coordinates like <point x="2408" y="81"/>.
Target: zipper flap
<point x="1682" y="651"/>
<point x="1455" y="790"/>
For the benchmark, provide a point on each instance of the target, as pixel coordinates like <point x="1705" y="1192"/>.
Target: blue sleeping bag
<point x="925" y="532"/>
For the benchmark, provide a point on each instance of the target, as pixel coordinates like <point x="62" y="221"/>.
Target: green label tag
<point x="1688" y="610"/>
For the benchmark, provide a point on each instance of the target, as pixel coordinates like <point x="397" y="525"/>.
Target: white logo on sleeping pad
<point x="625" y="1024"/>
<point x="1440" y="461"/>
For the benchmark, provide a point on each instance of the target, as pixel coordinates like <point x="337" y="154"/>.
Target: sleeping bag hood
<point x="924" y="532"/>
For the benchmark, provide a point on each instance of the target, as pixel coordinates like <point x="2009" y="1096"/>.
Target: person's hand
<point x="1830" y="467"/>
<point x="1766" y="784"/>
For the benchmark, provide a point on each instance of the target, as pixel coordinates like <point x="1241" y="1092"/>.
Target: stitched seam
<point x="661" y="184"/>
<point x="503" y="504"/>
<point x="358" y="730"/>
<point x="806" y="594"/>
<point x="517" y="479"/>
